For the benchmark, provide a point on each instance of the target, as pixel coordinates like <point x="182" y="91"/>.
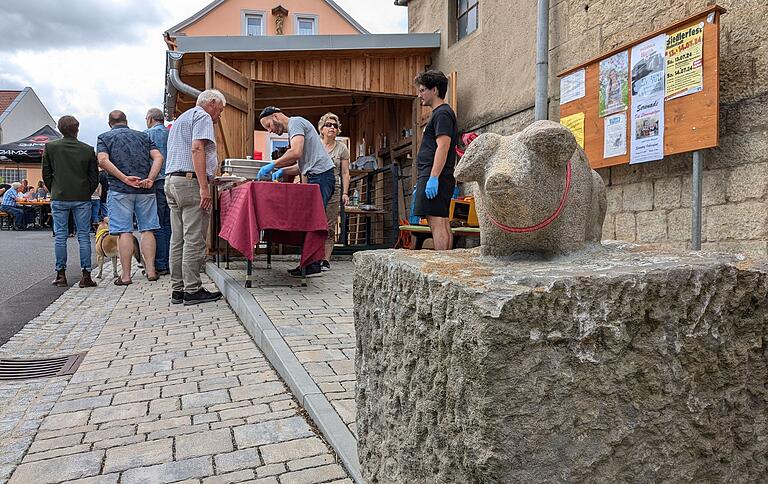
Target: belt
<point x="185" y="174"/>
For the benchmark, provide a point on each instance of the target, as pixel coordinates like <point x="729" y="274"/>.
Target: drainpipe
<point x="401" y="3"/>
<point x="542" y="61"/>
<point x="176" y="85"/>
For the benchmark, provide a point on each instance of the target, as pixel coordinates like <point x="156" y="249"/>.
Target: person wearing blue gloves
<point x="306" y="156"/>
<point x="436" y="159"/>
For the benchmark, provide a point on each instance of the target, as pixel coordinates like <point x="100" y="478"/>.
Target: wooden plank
<point x="230" y="72"/>
<point x="690" y="122"/>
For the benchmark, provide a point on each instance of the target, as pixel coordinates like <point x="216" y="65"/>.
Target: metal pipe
<point x="696" y="202"/>
<point x="542" y="61"/>
<point x="176" y="85"/>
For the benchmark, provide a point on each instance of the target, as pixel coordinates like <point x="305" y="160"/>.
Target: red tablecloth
<point x="289" y="213"/>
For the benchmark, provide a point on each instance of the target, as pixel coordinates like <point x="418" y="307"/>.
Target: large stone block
<point x="747" y="181"/>
<point x="625" y="227"/>
<point x="747" y="220"/>
<point x="666" y="193"/>
<point x="651" y="226"/>
<point x="713" y="187"/>
<point x="615" y="365"/>
<point x="638" y="196"/>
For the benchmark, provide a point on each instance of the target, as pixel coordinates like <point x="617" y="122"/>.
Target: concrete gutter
<point x="271" y="343"/>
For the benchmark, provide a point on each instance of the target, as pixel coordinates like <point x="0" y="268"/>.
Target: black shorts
<point x="440" y="205"/>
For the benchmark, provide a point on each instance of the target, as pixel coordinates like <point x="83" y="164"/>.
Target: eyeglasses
<point x="331" y="125"/>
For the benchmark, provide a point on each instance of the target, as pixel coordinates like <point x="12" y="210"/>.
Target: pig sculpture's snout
<point x="499" y="183"/>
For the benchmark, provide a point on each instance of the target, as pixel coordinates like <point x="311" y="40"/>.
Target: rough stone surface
<point x="520" y="181"/>
<point x="609" y="365"/>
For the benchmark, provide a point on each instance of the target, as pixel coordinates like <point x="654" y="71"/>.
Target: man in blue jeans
<point x="306" y="156"/>
<point x="21" y="216"/>
<point x="70" y="172"/>
<point x="158" y="133"/>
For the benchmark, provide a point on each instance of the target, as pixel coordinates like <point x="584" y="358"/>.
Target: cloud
<point x="88" y="57"/>
<point x="44" y="24"/>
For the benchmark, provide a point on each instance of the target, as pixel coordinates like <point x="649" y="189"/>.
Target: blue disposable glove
<point x="432" y="185"/>
<point x="265" y="171"/>
<point x="277" y="175"/>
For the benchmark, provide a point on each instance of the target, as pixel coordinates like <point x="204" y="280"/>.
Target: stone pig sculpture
<point x="535" y="191"/>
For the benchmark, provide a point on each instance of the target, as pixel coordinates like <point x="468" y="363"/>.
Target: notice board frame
<point x="691" y="122"/>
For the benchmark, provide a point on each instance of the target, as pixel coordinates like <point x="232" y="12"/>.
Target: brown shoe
<point x="86" y="281"/>
<point x="61" y="279"/>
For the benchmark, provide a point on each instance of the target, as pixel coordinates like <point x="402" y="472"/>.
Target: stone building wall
<point x="650" y="203"/>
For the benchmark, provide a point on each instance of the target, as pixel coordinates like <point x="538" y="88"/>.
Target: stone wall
<point x="651" y="203"/>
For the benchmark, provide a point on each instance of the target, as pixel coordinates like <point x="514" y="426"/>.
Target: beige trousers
<point x="332" y="214"/>
<point x="189" y="224"/>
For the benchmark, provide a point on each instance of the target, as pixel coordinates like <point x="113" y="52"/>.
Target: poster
<point x="648" y="68"/>
<point x="614" y="84"/>
<point x="615" y="143"/>
<point x="575" y="123"/>
<point x="572" y="87"/>
<point x="647" y="130"/>
<point x="684" y="61"/>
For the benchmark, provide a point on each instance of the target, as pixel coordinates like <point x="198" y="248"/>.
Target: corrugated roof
<point x="6" y="98"/>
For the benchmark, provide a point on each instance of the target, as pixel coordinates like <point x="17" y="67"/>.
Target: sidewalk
<point x="316" y="327"/>
<point x="166" y="393"/>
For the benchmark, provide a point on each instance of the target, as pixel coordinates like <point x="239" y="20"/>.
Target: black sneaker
<point x="177" y="297"/>
<point x="325" y="265"/>
<point x="294" y="270"/>
<point x="201" y="296"/>
<point x="311" y="269"/>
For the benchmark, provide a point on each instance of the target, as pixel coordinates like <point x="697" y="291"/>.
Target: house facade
<point x="21" y="114"/>
<point x="266" y="18"/>
<point x="491" y="46"/>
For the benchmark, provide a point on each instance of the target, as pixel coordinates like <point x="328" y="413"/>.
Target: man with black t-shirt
<point x="436" y="159"/>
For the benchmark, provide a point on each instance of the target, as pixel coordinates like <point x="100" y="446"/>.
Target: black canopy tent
<point x="29" y="149"/>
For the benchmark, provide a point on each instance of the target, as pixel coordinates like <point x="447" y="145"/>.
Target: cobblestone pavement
<point x="167" y="393"/>
<point x="317" y="323"/>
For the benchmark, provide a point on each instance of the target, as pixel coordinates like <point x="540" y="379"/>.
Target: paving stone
<point x="59" y="469"/>
<point x="136" y="396"/>
<point x="241" y="459"/>
<point x="119" y="412"/>
<point x="55" y="443"/>
<point x="105" y="479"/>
<point x="169" y="472"/>
<point x="81" y="404"/>
<point x="179" y="389"/>
<point x="249" y="392"/>
<point x="48" y="454"/>
<point x="139" y="455"/>
<point x="230" y="477"/>
<point x="111" y="433"/>
<point x="271" y="432"/>
<point x="165" y="423"/>
<point x="65" y="420"/>
<point x="204" y="399"/>
<point x="98" y="375"/>
<point x="204" y="443"/>
<point x="292" y="450"/>
<point x="314" y="475"/>
<point x="164" y="405"/>
<point x="195" y="361"/>
<point x="119" y="442"/>
<point x="297" y="465"/>
<point x="218" y="383"/>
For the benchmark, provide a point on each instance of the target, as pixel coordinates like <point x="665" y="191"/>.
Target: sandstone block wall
<point x="606" y="366"/>
<point x="649" y="203"/>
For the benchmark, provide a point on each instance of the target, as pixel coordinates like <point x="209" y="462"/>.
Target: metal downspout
<point x="176" y="85"/>
<point x="542" y="61"/>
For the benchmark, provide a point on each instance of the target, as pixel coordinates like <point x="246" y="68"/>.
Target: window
<point x="275" y="143"/>
<point x="306" y="25"/>
<point x="466" y="16"/>
<point x="11" y="175"/>
<point x="252" y="23"/>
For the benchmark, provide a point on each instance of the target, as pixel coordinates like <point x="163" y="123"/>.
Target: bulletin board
<point x="691" y="122"/>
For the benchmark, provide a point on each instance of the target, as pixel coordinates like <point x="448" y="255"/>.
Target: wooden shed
<point x="367" y="80"/>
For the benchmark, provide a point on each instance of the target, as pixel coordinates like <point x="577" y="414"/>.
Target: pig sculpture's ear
<point x="472" y="165"/>
<point x="550" y="141"/>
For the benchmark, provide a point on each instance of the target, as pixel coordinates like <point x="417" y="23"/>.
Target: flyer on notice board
<point x="615" y="143"/>
<point x="648" y="68"/>
<point x="647" y="130"/>
<point x="614" y="84"/>
<point x="572" y="87"/>
<point x="575" y="123"/>
<point x="684" y="61"/>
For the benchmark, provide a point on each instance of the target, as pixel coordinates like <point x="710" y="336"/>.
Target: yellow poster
<point x="684" y="61"/>
<point x="575" y="123"/>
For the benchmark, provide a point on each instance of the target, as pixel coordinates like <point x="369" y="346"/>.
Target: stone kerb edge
<point x="279" y="354"/>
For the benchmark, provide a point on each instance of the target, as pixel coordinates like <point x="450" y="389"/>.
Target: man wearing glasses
<point x="306" y="156"/>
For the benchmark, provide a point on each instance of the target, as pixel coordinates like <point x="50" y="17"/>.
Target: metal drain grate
<point x="41" y="368"/>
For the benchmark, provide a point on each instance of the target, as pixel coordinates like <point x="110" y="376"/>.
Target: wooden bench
<point x="422" y="232"/>
<point x="6" y="221"/>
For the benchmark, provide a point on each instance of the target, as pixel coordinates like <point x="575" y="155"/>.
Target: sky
<point x="88" y="57"/>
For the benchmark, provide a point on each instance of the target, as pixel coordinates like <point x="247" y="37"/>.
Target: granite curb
<point x="279" y="354"/>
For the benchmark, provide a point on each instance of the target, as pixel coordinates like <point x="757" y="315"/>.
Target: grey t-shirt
<point x="315" y="159"/>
